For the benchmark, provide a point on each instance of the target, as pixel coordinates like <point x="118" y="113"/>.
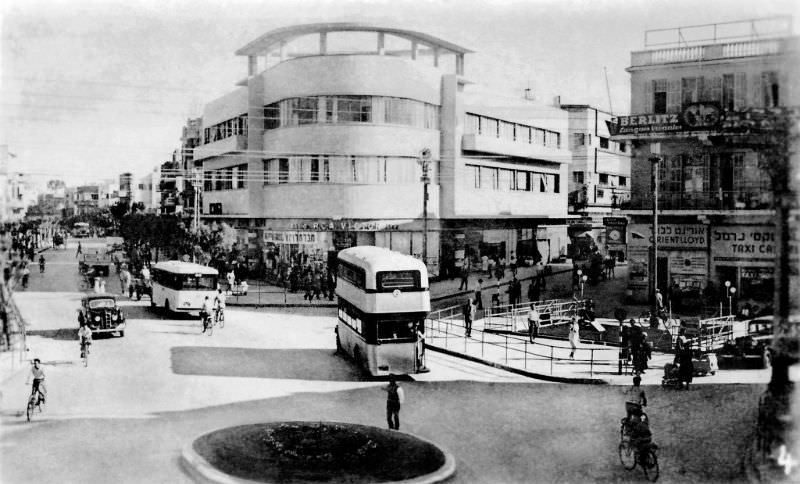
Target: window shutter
<point x="739" y="90"/>
<point x="648" y="97"/>
<point x="674" y="96"/>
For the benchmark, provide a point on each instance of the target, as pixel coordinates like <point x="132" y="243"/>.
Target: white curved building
<point x="319" y="149"/>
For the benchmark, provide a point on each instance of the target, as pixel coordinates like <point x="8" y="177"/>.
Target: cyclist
<point x="41" y="264"/>
<point x="85" y="338"/>
<point x="635" y="398"/>
<point x="219" y="305"/>
<point x="641" y="438"/>
<point x="38" y="380"/>
<point x="205" y="313"/>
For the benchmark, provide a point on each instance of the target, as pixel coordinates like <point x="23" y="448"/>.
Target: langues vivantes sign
<point x="699" y="117"/>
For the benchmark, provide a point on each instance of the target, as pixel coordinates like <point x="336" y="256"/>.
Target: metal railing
<point x="719" y="200"/>
<point x="446" y="329"/>
<point x="550" y="311"/>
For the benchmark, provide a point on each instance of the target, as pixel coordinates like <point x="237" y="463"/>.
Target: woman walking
<point x="574" y="337"/>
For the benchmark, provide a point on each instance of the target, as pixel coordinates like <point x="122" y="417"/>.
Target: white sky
<point x="91" y="89"/>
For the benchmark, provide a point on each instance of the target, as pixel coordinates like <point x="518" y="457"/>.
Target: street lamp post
<point x="424" y="160"/>
<point x="655" y="150"/>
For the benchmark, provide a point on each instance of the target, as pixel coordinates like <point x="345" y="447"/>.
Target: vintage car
<point x="101" y="313"/>
<point x="751" y="351"/>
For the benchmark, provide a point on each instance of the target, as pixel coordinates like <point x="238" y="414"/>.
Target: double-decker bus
<point x="182" y="286"/>
<point x="383" y="300"/>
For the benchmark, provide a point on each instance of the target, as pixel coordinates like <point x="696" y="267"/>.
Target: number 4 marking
<point x="785" y="459"/>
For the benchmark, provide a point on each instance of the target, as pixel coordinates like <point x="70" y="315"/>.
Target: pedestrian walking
<point x="231" y="277"/>
<point x="533" y="323"/>
<point x="574" y="336"/>
<point x="26" y="273"/>
<point x="659" y="300"/>
<point x="478" y="295"/>
<point x="394" y="399"/>
<point x="469" y="312"/>
<point x="533" y="290"/>
<point x="485" y="263"/>
<point x="496" y="294"/>
<point x="80" y="250"/>
<point x="464" y="276"/>
<point x="514" y="291"/>
<point x="512" y="264"/>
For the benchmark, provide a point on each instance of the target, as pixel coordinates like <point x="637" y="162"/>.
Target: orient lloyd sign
<point x="671" y="236"/>
<point x="695" y="117"/>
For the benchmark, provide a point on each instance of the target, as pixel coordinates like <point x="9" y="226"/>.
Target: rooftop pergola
<point x="386" y="41"/>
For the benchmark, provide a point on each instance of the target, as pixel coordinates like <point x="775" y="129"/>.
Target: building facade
<point x="324" y="145"/>
<point x="701" y="111"/>
<point x="599" y="184"/>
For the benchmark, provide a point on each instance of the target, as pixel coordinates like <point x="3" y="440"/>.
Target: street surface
<point x="143" y="397"/>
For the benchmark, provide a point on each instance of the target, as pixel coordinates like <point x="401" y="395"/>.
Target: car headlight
<point x="97" y="318"/>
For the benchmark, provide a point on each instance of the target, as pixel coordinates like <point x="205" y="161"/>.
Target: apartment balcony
<point x="231" y="144"/>
<point x="706" y="202"/>
<point x="508" y="147"/>
<point x="729" y="50"/>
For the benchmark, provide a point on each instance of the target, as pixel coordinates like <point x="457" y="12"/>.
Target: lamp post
<point x="584" y="278"/>
<point x="731" y="291"/>
<point x="580" y="273"/>
<point x="655" y="150"/>
<point x="424" y="160"/>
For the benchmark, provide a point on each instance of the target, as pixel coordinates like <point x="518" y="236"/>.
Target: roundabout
<point x="297" y="452"/>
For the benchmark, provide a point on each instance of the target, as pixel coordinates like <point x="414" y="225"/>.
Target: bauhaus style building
<point x="599" y="183"/>
<point x="322" y="146"/>
<point x="700" y="111"/>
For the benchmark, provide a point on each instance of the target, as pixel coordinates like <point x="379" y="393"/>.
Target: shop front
<point x="744" y="256"/>
<point x="682" y="260"/>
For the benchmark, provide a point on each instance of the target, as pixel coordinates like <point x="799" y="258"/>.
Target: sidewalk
<point x="608" y="295"/>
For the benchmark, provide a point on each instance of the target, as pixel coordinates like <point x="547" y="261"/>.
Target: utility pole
<point x="655" y="150"/>
<point x="424" y="160"/>
<point x="196" y="186"/>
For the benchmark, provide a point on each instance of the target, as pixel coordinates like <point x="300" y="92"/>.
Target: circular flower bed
<point x="295" y="452"/>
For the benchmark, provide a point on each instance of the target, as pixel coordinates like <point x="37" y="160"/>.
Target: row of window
<point x="343" y="169"/>
<point x="230" y="178"/>
<point x="226" y="129"/>
<point x="729" y="90"/>
<point x="351" y="109"/>
<point x="184" y="281"/>
<point x="712" y="172"/>
<point x="380" y="327"/>
<point x="519" y="133"/>
<point x="602" y="179"/>
<point x="352" y="274"/>
<point x="585" y="139"/>
<point x="514" y="180"/>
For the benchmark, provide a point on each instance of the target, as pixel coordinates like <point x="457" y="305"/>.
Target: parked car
<point x="101" y="313"/>
<point x="751" y="351"/>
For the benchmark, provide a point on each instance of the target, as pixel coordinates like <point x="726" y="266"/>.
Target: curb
<point x="200" y="470"/>
<point x="500" y="366"/>
<point x="279" y="305"/>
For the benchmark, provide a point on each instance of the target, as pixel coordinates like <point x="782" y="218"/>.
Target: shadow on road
<point x="58" y="334"/>
<point x="290" y="364"/>
<point x="156" y="314"/>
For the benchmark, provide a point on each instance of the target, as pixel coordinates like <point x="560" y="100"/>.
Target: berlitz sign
<point x="695" y="117"/>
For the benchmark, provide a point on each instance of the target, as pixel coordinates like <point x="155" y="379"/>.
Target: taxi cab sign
<point x="396" y="292"/>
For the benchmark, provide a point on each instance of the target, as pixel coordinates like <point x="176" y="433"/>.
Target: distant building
<point x="699" y="109"/>
<point x="599" y="183"/>
<point x="125" y="188"/>
<point x="146" y="191"/>
<point x="321" y="148"/>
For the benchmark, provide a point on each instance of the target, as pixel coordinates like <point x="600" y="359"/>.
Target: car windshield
<point x="101" y="303"/>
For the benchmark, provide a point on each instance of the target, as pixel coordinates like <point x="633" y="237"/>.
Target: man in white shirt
<point x="533" y="323"/>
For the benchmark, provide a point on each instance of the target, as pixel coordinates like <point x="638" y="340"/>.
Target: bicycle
<point x="219" y="317"/>
<point x="629" y="454"/>
<point x="208" y="324"/>
<point x="85" y="354"/>
<point x="34" y="402"/>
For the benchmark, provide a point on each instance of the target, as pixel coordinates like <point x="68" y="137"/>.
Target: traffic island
<point x="298" y="452"/>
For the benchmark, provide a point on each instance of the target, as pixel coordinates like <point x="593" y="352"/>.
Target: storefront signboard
<point x="743" y="243"/>
<point x="671" y="236"/>
<point x="290" y="237"/>
<point x="615" y="230"/>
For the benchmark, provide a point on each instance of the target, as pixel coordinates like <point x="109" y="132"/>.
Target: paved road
<point x="143" y="397"/>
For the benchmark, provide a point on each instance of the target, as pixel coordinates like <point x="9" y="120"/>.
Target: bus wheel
<point x="338" y="344"/>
